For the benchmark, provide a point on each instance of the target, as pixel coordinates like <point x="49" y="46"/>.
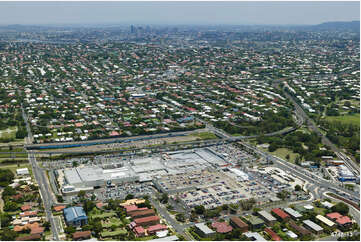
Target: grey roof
<point x="267" y="215"/>
<point x="72" y="176"/>
<point x="254" y="220"/>
<point x="86" y="174"/>
<point x="312" y="225"/>
<point x="90" y="173"/>
<point x="256" y="236"/>
<point x="204" y="228"/>
<point x="292" y="212"/>
<point x="168" y="238"/>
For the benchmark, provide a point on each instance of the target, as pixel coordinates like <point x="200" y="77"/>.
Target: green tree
<point x="8" y="191"/>
<point x="180" y="217"/>
<point x="88" y="206"/>
<point x="8" y="235"/>
<point x="46" y="225"/>
<point x="288" y="157"/>
<point x="164" y="198"/>
<point x="199" y="209"/>
<point x="60" y="198"/>
<point x="129" y="196"/>
<point x="341" y="208"/>
<point x="70" y="230"/>
<point x="10" y="206"/>
<point x="298" y="188"/>
<point x="283" y="194"/>
<point x="5" y="219"/>
<point x="6" y="177"/>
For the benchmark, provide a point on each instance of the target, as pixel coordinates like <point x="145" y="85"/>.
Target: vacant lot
<point x="282" y="153"/>
<point x="205" y="135"/>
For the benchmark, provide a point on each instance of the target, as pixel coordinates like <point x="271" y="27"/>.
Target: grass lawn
<point x="205" y="135"/>
<point x="103" y="215"/>
<point x="113" y="221"/>
<point x="320" y="210"/>
<point x="346" y="119"/>
<point x="113" y="233"/>
<point x="282" y="153"/>
<point x="145" y="238"/>
<point x="14" y="167"/>
<point x="8" y="133"/>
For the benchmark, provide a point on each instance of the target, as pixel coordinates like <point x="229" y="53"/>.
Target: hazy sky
<point x="177" y="12"/>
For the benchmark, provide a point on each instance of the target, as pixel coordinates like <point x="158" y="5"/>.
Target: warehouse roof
<point x="280" y="213"/>
<point x="255" y="220"/>
<point x="239" y="222"/>
<point x="169" y="238"/>
<point x="299" y="229"/>
<point x="325" y="220"/>
<point x="255" y="236"/>
<point x="273" y="234"/>
<point x="146" y="219"/>
<point x="292" y="212"/>
<point x="156" y="227"/>
<point x="267" y="215"/>
<point x="204" y="228"/>
<point x="312" y="225"/>
<point x="141" y="212"/>
<point x="73" y="213"/>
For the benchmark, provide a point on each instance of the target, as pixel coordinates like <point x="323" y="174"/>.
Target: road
<point x="179" y="228"/>
<point x="41" y="179"/>
<point x="304" y="174"/>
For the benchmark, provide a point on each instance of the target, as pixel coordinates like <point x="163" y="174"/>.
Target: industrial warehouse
<point x="72" y="180"/>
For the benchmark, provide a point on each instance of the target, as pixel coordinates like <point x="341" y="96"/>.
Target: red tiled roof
<point x="19" y="228"/>
<point x="59" y="208"/>
<point x="273" y="234"/>
<point x="239" y="222"/>
<point x="139" y="230"/>
<point x="37" y="230"/>
<point x="146" y="219"/>
<point x="142" y="212"/>
<point x="280" y="213"/>
<point x="156" y="227"/>
<point x="130" y="208"/>
<point x="17" y="196"/>
<point x="222" y="227"/>
<point x="81" y="234"/>
<point x="99" y="205"/>
<point x="28" y="213"/>
<point x="25" y="207"/>
<point x="343" y="220"/>
<point x="78" y="125"/>
<point x="334" y="215"/>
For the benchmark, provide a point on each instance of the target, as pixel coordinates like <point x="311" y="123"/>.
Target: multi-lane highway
<point x="40" y="177"/>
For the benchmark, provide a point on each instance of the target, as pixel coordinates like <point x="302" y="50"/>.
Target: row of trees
<point x="305" y="144"/>
<point x="344" y="135"/>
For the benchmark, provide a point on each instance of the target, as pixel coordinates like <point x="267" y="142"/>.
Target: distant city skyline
<point x="242" y="13"/>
